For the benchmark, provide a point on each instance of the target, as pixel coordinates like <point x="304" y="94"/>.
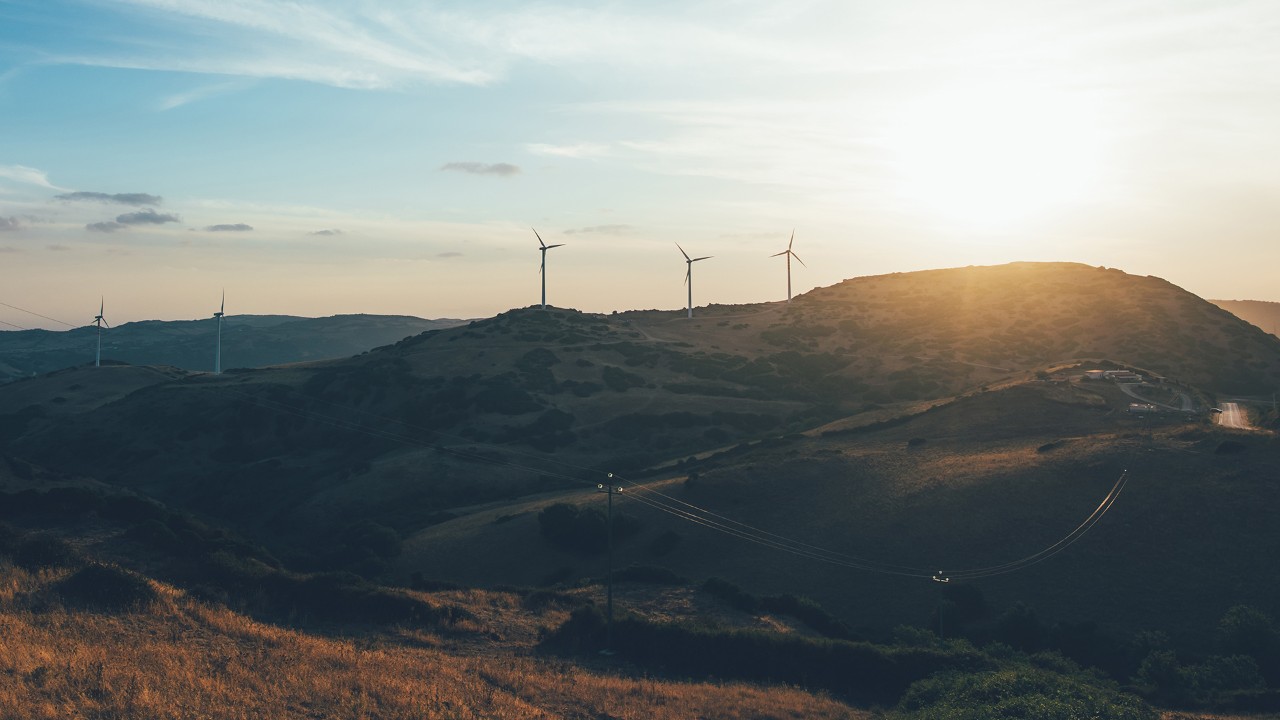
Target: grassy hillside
<point x="247" y="341"/>
<point x="982" y="481"/>
<point x="64" y="660"/>
<point x="424" y="436"/>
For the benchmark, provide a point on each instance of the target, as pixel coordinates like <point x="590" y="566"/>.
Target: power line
<point x="2" y="322"/>
<point x="32" y="312"/>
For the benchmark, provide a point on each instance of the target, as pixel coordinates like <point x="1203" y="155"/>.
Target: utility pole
<point x="942" y="607"/>
<point x="609" y="490"/>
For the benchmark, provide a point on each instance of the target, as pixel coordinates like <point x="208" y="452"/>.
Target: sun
<point x="991" y="156"/>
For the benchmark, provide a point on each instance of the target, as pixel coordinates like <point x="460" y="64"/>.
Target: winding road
<point x="1233" y="416"/>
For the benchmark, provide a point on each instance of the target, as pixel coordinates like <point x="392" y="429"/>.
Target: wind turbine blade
<point x="706" y="257"/>
<point x="544" y="263"/>
<point x="556" y="245"/>
<point x="105" y="323"/>
<point x="687" y="273"/>
<point x="682" y="252"/>
<point x="535" y="234"/>
<point x="784" y="252"/>
<point x="797" y="257"/>
<point x="222" y="309"/>
<point x="793" y="238"/>
<point x="101" y="305"/>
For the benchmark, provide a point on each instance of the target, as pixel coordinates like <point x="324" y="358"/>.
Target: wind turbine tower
<point x="789" y="255"/>
<point x="99" y="321"/>
<point x="688" y="275"/>
<point x="542" y="269"/>
<point x="217" y="353"/>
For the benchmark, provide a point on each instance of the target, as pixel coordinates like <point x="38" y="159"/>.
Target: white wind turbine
<point x="688" y="275"/>
<point x="100" y="322"/>
<point x="217" y="353"/>
<point x="542" y="269"/>
<point x="789" y="255"/>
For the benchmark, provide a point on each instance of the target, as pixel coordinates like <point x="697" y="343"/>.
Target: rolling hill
<point x="247" y="341"/>
<point x="451" y="439"/>
<point x="1265" y="315"/>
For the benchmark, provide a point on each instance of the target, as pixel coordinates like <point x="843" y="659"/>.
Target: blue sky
<point x="390" y="157"/>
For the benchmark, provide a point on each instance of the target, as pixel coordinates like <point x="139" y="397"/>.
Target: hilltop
<point x="247" y="341"/>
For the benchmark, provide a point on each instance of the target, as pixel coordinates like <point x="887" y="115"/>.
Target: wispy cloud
<point x="204" y="92"/>
<point x="601" y="230"/>
<point x="233" y="227"/>
<point x="346" y="46"/>
<point x="479" y="168"/>
<point x="107" y="226"/>
<point x="7" y="249"/>
<point x="137" y="199"/>
<point x="146" y="217"/>
<point x="57" y="248"/>
<point x="577" y="150"/>
<point x="450" y="254"/>
<point x="27" y="176"/>
<point x="9" y="224"/>
<point x="326" y="231"/>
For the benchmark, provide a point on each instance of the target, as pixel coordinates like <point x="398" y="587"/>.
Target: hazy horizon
<point x="317" y="158"/>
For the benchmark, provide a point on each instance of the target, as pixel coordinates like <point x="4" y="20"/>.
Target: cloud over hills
<point x="146" y="217"/>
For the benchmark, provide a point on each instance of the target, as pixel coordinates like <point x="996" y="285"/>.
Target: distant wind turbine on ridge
<point x="100" y="321"/>
<point x="688" y="275"/>
<point x="217" y="353"/>
<point x="789" y="255"/>
<point x="542" y="269"/>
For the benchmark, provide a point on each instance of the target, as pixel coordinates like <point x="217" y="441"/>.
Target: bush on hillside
<point x="45" y="551"/>
<point x="569" y="527"/>
<point x="108" y="588"/>
<point x="1021" y="692"/>
<point x="860" y="671"/>
<point x="9" y="539"/>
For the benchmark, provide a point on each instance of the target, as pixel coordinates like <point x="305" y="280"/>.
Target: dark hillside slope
<point x="980" y="482"/>
<point x="534" y="401"/>
<point x="247" y="341"/>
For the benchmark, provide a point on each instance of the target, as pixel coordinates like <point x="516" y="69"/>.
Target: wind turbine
<point x="217" y="354"/>
<point x="542" y="269"/>
<point x="99" y="321"/>
<point x="789" y="255"/>
<point x="688" y="275"/>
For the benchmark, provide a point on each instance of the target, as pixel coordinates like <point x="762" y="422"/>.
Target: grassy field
<point x="184" y="659"/>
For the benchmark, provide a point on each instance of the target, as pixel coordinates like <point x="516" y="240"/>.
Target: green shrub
<point x="731" y="594"/>
<point x="45" y="551"/>
<point x="107" y="587"/>
<point x="620" y="380"/>
<point x="860" y="671"/>
<point x="9" y="539"/>
<point x="569" y="527"/>
<point x="1020" y="692"/>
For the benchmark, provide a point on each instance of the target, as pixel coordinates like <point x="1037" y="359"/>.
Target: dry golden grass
<point x="183" y="659"/>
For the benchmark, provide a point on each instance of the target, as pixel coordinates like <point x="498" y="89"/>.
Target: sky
<point x="319" y="157"/>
